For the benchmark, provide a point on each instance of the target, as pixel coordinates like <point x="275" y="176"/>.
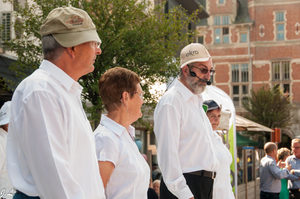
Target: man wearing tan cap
<point x="50" y="147"/>
<point x="185" y="139"/>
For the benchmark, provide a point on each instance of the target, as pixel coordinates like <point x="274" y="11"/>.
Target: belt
<point x="295" y="190"/>
<point x="203" y="173"/>
<point x="269" y="193"/>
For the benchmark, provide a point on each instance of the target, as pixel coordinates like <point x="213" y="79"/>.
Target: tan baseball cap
<point x="193" y="52"/>
<point x="69" y="26"/>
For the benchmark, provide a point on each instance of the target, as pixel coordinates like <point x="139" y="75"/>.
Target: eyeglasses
<point x="97" y="44"/>
<point x="140" y="93"/>
<point x="205" y="70"/>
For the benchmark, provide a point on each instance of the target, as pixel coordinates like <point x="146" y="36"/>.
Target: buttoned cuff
<point x="185" y="193"/>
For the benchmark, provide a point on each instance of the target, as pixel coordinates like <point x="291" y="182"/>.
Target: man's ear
<point x="71" y="51"/>
<point x="185" y="70"/>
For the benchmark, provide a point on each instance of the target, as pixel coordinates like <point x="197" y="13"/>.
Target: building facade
<point x="255" y="43"/>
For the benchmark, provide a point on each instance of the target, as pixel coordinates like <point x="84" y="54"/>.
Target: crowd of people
<point x="52" y="151"/>
<point x="280" y="180"/>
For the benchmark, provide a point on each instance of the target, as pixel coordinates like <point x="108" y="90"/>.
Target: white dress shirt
<point x="131" y="176"/>
<point x="6" y="187"/>
<point x="50" y="146"/>
<point x="222" y="186"/>
<point x="184" y="138"/>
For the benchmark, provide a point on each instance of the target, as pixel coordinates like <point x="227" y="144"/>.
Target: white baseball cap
<point x="5" y="113"/>
<point x="193" y="52"/>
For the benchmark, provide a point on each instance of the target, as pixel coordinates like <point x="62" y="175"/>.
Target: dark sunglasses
<point x="205" y="70"/>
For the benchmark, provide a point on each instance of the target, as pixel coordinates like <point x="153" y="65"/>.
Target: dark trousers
<point x="294" y="194"/>
<point x="201" y="187"/>
<point x="265" y="195"/>
<point x="20" y="195"/>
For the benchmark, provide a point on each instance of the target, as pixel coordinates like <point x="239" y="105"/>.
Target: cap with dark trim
<point x="210" y="105"/>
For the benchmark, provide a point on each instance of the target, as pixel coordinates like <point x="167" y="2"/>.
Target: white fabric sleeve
<point x="106" y="148"/>
<point x="167" y="131"/>
<point x="45" y="145"/>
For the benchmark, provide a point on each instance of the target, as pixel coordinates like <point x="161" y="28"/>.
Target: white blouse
<point x="222" y="186"/>
<point x="131" y="176"/>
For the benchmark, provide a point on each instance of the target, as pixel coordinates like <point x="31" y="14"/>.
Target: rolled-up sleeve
<point x="106" y="148"/>
<point x="167" y="131"/>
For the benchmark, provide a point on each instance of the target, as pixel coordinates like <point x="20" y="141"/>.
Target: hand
<point x="192" y="198"/>
<point x="281" y="164"/>
<point x="288" y="166"/>
<point x="292" y="171"/>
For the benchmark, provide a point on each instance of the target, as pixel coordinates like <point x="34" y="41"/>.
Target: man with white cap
<point x="50" y="147"/>
<point x="185" y="142"/>
<point x="6" y="187"/>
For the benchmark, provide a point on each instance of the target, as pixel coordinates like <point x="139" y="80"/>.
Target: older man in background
<point x="294" y="161"/>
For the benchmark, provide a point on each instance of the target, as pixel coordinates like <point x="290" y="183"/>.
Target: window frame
<point x="283" y="78"/>
<point x="240" y="82"/>
<point x="7" y="32"/>
<point x="222" y="23"/>
<point x="279" y="20"/>
<point x="243" y="33"/>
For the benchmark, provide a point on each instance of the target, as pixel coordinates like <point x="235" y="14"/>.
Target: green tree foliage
<point x="134" y="35"/>
<point x="269" y="107"/>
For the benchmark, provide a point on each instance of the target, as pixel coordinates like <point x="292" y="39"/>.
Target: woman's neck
<point x="119" y="117"/>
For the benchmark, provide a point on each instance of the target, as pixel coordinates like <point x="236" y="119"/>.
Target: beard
<point x="195" y="87"/>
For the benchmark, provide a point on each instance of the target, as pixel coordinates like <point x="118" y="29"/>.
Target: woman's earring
<point x="127" y="111"/>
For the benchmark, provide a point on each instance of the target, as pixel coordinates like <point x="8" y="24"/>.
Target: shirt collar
<point x="115" y="127"/>
<point x="185" y="92"/>
<point x="58" y="74"/>
<point x="270" y="157"/>
<point x="294" y="157"/>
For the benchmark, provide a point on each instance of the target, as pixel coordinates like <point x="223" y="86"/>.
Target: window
<point x="240" y="83"/>
<point x="200" y="40"/>
<point x="244" y="38"/>
<point x="221" y="34"/>
<point x="221" y="1"/>
<point x="5" y="22"/>
<point x="281" y="76"/>
<point x="279" y="25"/>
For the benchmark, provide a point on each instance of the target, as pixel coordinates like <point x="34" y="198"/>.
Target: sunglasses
<point x="204" y="70"/>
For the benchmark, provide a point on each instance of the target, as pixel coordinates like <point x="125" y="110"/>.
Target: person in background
<point x="156" y="173"/>
<point x="156" y="186"/>
<point x="294" y="161"/>
<point x="123" y="169"/>
<point x="222" y="188"/>
<point x="50" y="144"/>
<point x="271" y="174"/>
<point x="6" y="187"/>
<point x="186" y="151"/>
<point x="282" y="155"/>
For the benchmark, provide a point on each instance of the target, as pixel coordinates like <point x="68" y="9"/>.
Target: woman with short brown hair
<point x="124" y="171"/>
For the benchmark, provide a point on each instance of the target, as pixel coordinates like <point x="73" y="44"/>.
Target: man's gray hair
<point x="51" y="48"/>
<point x="191" y="65"/>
